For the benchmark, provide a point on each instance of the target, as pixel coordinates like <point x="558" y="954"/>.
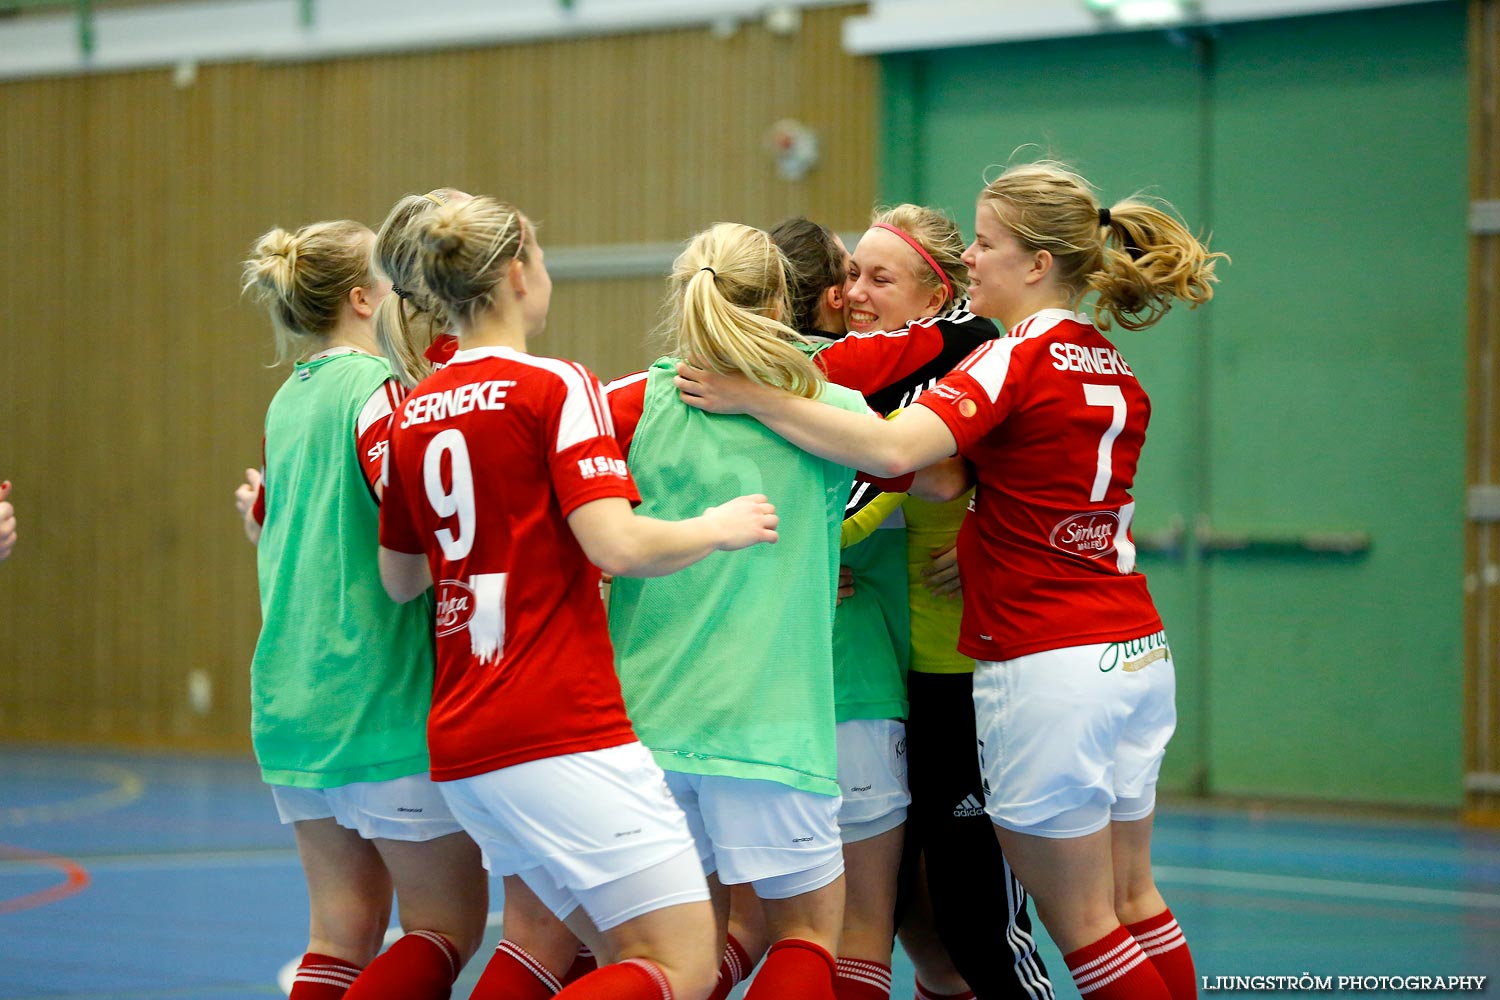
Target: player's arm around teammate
<point x="870" y="641"/>
<point x="339" y="728"/>
<point x="741" y="716"/>
<point x="502" y="466"/>
<point x="1075" y="419"/>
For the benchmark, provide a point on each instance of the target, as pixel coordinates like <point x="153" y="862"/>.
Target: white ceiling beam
<point x="917" y="25"/>
<point x="162" y="35"/>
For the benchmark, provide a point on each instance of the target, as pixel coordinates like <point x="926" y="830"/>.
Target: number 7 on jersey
<point x="1112" y="397"/>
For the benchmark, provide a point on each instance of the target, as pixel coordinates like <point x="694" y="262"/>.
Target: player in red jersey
<point x="1074" y="688"/>
<point x="505" y="486"/>
<point x="538" y="955"/>
<point x="910" y="324"/>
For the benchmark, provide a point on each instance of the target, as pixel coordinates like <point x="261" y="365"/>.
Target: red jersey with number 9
<point x="1053" y="420"/>
<point x="488" y="457"/>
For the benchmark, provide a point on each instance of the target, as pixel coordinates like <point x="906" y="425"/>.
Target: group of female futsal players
<point x="711" y="764"/>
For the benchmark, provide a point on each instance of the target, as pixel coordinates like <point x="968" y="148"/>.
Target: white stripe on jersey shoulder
<point x="377" y="407"/>
<point x="626" y="380"/>
<point x="855" y="335"/>
<point x="990" y="365"/>
<point x="480" y="353"/>
<point x="1040" y="322"/>
<point x="584" y="415"/>
<point x="959" y="313"/>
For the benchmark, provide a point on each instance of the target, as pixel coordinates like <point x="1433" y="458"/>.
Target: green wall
<point x="1321" y="391"/>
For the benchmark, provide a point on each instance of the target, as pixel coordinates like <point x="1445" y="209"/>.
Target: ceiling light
<point x="1142" y="13"/>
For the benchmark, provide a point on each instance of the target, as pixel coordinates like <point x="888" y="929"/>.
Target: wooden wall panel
<point x="1482" y="601"/>
<point x="133" y="379"/>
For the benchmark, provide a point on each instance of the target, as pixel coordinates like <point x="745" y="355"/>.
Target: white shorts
<point x="1070" y="739"/>
<point x="583" y="823"/>
<point x="409" y="808"/>
<point x="781" y="840"/>
<point x="872" y="777"/>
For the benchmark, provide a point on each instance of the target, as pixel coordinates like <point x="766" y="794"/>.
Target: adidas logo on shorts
<point x="970" y="806"/>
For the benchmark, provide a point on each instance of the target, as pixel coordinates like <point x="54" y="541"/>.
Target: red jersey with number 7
<point x="488" y="457"/>
<point x="1053" y="420"/>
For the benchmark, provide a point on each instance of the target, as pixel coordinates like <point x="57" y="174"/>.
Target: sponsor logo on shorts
<point x="628" y="833"/>
<point x="455" y="606"/>
<point x="970" y="806"/>
<point x="1137" y="654"/>
<point x="1089" y="535"/>
<point x="802" y="840"/>
<point x="407" y="809"/>
<point x="861" y="788"/>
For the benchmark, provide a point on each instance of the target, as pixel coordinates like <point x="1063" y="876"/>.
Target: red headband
<point x="947" y="285"/>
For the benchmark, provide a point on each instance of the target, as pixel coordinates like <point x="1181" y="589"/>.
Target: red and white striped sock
<point x="513" y="973"/>
<point x="1162" y="941"/>
<point x="632" y="979"/>
<point x="583" y="963"/>
<point x="1115" y="968"/>
<point x="323" y="977"/>
<point x="861" y="979"/>
<point x="923" y="993"/>
<point x="794" y="968"/>
<point x="733" y="969"/>
<point x="421" y="965"/>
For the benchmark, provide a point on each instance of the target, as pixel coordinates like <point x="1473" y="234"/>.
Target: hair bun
<point x="443" y="231"/>
<point x="277" y="243"/>
<point x="446" y="239"/>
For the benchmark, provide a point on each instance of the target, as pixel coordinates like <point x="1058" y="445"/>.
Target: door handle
<point x="1309" y="543"/>
<point x="1171" y="541"/>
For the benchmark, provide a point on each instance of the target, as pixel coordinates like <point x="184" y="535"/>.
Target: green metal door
<point x="1315" y="407"/>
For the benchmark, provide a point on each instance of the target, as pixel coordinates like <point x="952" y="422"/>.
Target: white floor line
<point x="164" y="861"/>
<point x="1300" y="886"/>
<point x="1168" y="874"/>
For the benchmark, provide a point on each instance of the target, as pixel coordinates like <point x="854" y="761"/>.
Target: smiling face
<point x="888" y="286"/>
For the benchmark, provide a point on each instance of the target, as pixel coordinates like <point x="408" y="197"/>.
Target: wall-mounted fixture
<point x="1143" y="13"/>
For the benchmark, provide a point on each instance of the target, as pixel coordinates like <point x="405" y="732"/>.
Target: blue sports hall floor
<point x="136" y="876"/>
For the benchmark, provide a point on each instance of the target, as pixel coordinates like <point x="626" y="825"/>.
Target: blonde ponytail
<point x="1137" y="256"/>
<point x="1149" y="258"/>
<point x="411" y="318"/>
<point x="304" y="278"/>
<point x="729" y="297"/>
